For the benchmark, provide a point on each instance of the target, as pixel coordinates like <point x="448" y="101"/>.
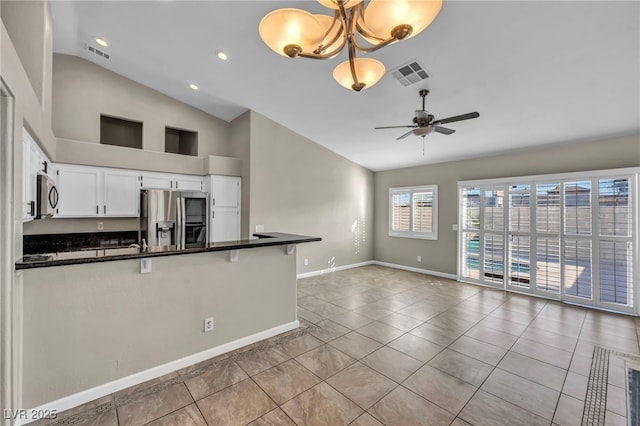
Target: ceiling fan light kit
<point x="298" y="33"/>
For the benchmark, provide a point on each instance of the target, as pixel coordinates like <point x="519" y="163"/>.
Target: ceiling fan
<point x="424" y="123"/>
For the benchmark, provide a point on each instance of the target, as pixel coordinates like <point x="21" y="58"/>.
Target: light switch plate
<point x="454" y="227"/>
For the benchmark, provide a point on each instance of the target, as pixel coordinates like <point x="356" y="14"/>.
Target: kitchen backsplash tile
<point x="52" y="243"/>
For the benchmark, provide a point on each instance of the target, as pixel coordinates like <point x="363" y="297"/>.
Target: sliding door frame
<point x="594" y="176"/>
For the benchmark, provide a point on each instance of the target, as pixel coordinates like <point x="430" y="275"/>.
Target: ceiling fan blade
<point x="393" y="127"/>
<point x="405" y="135"/>
<point x="443" y="130"/>
<point x="457" y="118"/>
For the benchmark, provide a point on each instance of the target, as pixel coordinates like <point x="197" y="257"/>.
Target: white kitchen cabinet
<point x="80" y="191"/>
<point x="225" y="191"/>
<point x="87" y="191"/>
<point x="121" y="194"/>
<point x="225" y="225"/>
<point x="151" y="180"/>
<point x="28" y="196"/>
<point x="225" y="208"/>
<point x="189" y="183"/>
<point x="34" y="163"/>
<point x="171" y="182"/>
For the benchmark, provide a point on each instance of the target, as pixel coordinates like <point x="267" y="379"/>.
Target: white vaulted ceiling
<point x="539" y="72"/>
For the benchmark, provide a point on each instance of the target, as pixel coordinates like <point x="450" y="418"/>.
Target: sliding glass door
<point x="571" y="237"/>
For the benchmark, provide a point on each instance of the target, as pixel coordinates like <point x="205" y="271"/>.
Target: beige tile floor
<point x="391" y="347"/>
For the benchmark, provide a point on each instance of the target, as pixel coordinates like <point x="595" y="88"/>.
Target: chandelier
<point x="297" y="33"/>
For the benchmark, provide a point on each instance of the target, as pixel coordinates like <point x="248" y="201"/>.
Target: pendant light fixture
<point x="298" y="33"/>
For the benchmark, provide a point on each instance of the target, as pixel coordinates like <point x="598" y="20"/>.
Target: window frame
<point x="433" y="235"/>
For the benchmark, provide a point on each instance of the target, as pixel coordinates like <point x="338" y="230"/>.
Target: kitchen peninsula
<point x="98" y="323"/>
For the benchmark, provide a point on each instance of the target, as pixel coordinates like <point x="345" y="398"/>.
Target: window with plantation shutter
<point x="413" y="212"/>
<point x="615" y="241"/>
<point x="570" y="237"/>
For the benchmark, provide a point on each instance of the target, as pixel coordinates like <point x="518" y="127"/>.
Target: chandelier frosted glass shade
<point x="296" y="33"/>
<point x="369" y="71"/>
<point x="326" y="22"/>
<point x="382" y="16"/>
<point x="291" y="27"/>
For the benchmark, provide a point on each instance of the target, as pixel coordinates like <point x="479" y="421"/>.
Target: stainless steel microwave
<point x="47" y="198"/>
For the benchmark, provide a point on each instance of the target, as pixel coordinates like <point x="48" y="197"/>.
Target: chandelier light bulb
<point x="291" y="27"/>
<point x="383" y="16"/>
<point x="369" y="71"/>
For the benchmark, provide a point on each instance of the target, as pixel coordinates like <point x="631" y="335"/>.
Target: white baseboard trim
<point x="335" y="269"/>
<point x="88" y="395"/>
<point x="377" y="262"/>
<point x="418" y="270"/>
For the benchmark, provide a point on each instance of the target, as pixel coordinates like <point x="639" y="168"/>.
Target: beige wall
<point x="440" y="255"/>
<point x="301" y="187"/>
<point x="24" y="24"/>
<point x="31" y="108"/>
<point x="84" y="90"/>
<point x="110" y="321"/>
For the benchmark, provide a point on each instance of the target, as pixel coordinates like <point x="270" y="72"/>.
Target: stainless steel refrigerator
<point x="173" y="218"/>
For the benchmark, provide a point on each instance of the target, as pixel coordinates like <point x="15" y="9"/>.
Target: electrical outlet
<point x="145" y="266"/>
<point x="419" y="258"/>
<point x="208" y="324"/>
<point x="259" y="228"/>
<point x="306" y="262"/>
<point x="100" y="226"/>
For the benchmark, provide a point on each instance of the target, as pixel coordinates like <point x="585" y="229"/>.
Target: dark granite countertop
<point x="94" y="255"/>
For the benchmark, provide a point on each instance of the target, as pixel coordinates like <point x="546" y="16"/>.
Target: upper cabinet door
<point x="158" y="181"/>
<point x="79" y="189"/>
<point x="28" y="200"/>
<point x="225" y="191"/>
<point x="189" y="183"/>
<point x="121" y="194"/>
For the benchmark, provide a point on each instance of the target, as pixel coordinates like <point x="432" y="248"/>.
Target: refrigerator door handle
<point x="183" y="222"/>
<point x="178" y="224"/>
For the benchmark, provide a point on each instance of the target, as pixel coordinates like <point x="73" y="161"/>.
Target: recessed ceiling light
<point x="221" y="55"/>
<point x="193" y="86"/>
<point x="101" y="42"/>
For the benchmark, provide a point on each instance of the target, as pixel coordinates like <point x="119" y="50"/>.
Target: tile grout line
<point x="448" y="347"/>
<point x="573" y="354"/>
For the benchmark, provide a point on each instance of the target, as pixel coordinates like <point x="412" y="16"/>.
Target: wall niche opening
<point x="178" y="141"/>
<point x="120" y="132"/>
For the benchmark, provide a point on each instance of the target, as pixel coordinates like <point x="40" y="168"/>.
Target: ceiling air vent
<point x="410" y="73"/>
<point x="98" y="52"/>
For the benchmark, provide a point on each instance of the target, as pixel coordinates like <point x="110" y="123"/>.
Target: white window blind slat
<point x="548" y="264"/>
<point x="548" y="208"/>
<point x="616" y="276"/>
<point x="577" y="268"/>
